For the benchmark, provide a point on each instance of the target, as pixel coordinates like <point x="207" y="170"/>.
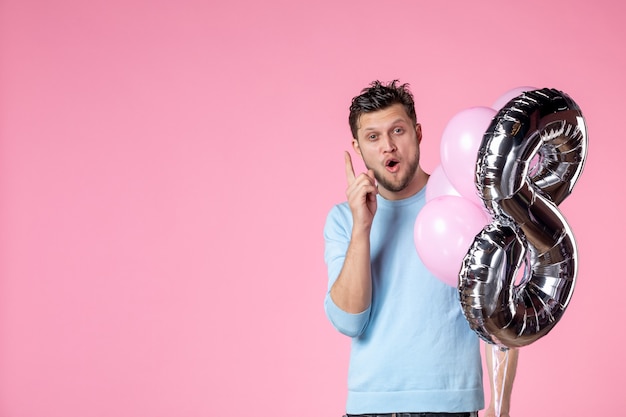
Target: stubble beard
<point x="403" y="182"/>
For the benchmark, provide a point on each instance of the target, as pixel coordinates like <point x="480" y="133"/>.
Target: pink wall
<point x="166" y="168"/>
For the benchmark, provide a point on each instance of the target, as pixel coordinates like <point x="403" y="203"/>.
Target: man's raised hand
<point x="361" y="195"/>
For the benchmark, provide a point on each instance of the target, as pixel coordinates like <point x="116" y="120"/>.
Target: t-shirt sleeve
<point x="337" y="233"/>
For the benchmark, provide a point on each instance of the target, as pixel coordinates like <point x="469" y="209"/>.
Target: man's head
<point x="387" y="136"/>
<point x="377" y="97"/>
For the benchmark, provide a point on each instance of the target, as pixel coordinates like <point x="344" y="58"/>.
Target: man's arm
<point x="352" y="291"/>
<point x="501" y="366"/>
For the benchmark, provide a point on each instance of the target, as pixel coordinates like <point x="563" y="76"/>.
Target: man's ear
<point x="356" y="147"/>
<point x="418" y="132"/>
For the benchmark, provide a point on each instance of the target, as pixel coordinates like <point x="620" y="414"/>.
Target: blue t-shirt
<point x="412" y="349"/>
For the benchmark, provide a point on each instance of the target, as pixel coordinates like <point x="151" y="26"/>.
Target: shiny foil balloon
<point x="519" y="273"/>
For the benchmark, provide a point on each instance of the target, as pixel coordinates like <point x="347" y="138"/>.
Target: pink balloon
<point x="439" y="185"/>
<point x="460" y="142"/>
<point x="510" y="95"/>
<point x="444" y="231"/>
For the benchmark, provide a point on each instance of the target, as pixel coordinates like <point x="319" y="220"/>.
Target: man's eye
<point x="372" y="137"/>
<point x="398" y="130"/>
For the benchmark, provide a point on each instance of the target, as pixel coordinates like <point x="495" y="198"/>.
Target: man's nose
<point x="388" y="144"/>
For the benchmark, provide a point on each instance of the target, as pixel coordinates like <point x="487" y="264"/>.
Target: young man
<point x="412" y="349"/>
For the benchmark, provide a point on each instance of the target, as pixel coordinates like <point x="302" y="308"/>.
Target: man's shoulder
<point x="339" y="215"/>
<point x="340" y="209"/>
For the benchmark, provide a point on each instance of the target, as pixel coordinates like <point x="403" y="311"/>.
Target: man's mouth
<point x="392" y="165"/>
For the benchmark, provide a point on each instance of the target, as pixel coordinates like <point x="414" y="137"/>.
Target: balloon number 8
<point x="530" y="157"/>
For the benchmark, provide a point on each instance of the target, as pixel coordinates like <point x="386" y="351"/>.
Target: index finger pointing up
<point x="349" y="168"/>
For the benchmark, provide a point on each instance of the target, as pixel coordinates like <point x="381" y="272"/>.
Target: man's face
<point x="388" y="142"/>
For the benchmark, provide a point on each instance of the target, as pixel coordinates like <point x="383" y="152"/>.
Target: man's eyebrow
<point x="398" y="120"/>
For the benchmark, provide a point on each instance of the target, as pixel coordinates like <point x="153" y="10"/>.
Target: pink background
<point x="166" y="168"/>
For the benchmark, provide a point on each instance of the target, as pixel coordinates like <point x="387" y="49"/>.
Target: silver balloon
<point x="519" y="274"/>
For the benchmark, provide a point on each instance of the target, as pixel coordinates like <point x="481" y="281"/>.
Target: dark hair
<point x="377" y="97"/>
